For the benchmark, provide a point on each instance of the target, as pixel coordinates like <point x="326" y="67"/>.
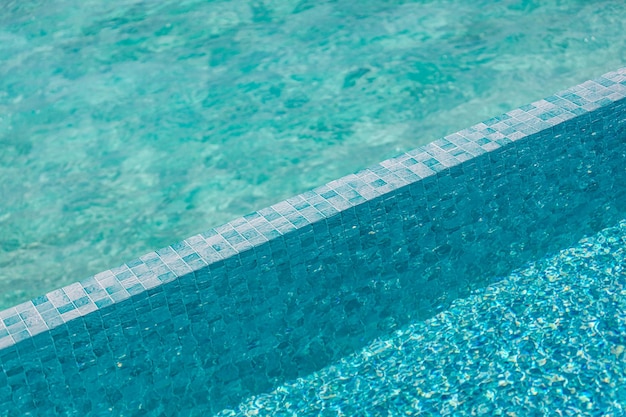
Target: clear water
<point x="127" y="125"/>
<point x="548" y="340"/>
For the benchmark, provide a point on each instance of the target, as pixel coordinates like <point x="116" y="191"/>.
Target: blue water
<point x="127" y="125"/>
<point x="548" y="340"/>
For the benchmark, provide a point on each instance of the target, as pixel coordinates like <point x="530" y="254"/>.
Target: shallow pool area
<point x="330" y="283"/>
<point x="126" y="125"/>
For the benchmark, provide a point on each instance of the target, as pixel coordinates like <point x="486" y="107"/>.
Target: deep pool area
<point x="126" y="125"/>
<point x="479" y="274"/>
<point x="549" y="339"/>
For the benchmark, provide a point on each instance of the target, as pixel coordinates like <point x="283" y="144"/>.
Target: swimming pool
<point x="287" y="291"/>
<point x="126" y="125"/>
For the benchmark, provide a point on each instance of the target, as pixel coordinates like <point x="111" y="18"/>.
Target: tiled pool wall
<point x="287" y="290"/>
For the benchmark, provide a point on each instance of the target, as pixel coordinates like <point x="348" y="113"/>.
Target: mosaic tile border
<point x="276" y="222"/>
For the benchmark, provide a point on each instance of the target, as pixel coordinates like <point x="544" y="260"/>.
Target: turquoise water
<point x="548" y="340"/>
<point x="128" y="125"/>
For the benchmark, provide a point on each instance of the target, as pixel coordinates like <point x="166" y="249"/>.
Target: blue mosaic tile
<point x="269" y="214"/>
<point x="178" y="267"/>
<point x="219" y="244"/>
<point x="283" y="225"/>
<point x="70" y="315"/>
<point x="236" y="240"/>
<point x="58" y="298"/>
<point x="151" y="259"/>
<point x="52" y="317"/>
<point x="44" y="306"/>
<point x="20" y="336"/>
<point x="266" y="229"/>
<point x="40" y="300"/>
<point x="119" y="294"/>
<point x="65" y="308"/>
<point x="296" y="219"/>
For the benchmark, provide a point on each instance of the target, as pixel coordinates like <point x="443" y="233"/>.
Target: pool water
<point x="128" y="125"/>
<point x="549" y="339"/>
